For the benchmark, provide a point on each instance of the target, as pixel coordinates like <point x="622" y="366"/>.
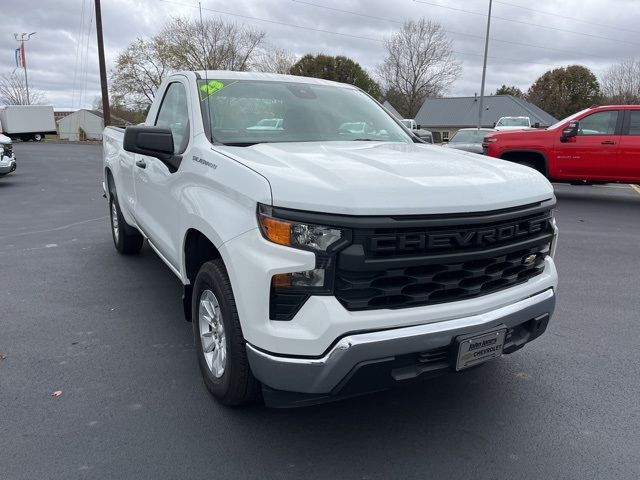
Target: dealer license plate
<point x="481" y="348"/>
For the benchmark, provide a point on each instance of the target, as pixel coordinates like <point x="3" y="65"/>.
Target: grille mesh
<point x="431" y="284"/>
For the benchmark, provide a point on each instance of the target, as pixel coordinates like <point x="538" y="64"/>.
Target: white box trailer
<point x="27" y="122"/>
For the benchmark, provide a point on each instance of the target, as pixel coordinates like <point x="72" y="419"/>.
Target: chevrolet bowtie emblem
<point x="529" y="259"/>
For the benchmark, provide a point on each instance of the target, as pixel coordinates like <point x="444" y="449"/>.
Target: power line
<point x="276" y="22"/>
<point x="566" y="17"/>
<point x="83" y="92"/>
<point x="521" y="22"/>
<point x="348" y="11"/>
<point x="511" y="42"/>
<point x="78" y="61"/>
<point x="378" y="40"/>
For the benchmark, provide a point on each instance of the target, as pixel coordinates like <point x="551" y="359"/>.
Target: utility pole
<point x="106" y="111"/>
<point x="484" y="66"/>
<point x="23" y="58"/>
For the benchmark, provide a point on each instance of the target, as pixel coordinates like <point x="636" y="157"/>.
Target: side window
<point x="174" y="115"/>
<point x="599" y="123"/>
<point x="634" y="123"/>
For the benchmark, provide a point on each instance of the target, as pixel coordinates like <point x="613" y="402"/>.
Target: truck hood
<point x="382" y="178"/>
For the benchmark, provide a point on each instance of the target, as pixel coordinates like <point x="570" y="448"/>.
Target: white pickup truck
<point x="512" y="123"/>
<point x="318" y="262"/>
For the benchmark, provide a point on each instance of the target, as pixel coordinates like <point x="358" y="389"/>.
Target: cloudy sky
<point x="527" y="38"/>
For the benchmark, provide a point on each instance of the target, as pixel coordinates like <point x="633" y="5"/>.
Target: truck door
<point x="156" y="196"/>
<point x="593" y="153"/>
<point x="629" y="157"/>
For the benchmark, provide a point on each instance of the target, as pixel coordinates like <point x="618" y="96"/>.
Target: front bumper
<point x="251" y="262"/>
<point x="363" y="362"/>
<point x="7" y="164"/>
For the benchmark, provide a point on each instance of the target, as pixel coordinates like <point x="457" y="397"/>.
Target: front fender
<point x="221" y="208"/>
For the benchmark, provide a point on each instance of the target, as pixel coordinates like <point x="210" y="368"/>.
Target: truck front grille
<point x="437" y="283"/>
<point x="442" y="261"/>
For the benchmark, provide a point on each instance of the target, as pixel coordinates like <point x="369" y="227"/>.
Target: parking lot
<point x="108" y="332"/>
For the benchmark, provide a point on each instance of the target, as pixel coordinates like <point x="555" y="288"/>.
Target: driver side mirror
<point x="570" y="131"/>
<point x="151" y="141"/>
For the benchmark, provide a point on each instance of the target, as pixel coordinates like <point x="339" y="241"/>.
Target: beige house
<point x="81" y="125"/>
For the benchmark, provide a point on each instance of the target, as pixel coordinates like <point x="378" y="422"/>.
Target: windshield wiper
<point x="241" y="144"/>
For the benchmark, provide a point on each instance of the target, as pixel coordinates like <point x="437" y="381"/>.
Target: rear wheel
<point x="126" y="239"/>
<point x="37" y="137"/>
<point x="220" y="345"/>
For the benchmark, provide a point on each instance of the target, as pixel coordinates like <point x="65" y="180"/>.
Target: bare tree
<point x="13" y="91"/>
<point x="138" y="72"/>
<point x="419" y="64"/>
<point x="211" y="45"/>
<point x="621" y="83"/>
<point x="274" y="60"/>
<point x="182" y="44"/>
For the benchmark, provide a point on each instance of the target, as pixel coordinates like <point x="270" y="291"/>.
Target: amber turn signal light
<point x="281" y="280"/>
<point x="276" y="231"/>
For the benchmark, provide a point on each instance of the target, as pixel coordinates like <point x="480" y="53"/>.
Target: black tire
<point x="530" y="165"/>
<point x="37" y="137"/>
<point x="126" y="238"/>
<point x="236" y="385"/>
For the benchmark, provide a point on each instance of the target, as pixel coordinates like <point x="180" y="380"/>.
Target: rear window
<point x="512" y="122"/>
<point x="634" y="125"/>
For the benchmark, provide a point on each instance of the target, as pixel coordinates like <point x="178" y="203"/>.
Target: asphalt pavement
<point x="107" y="332"/>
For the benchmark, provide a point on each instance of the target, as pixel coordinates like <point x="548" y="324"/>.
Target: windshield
<point x="246" y="112"/>
<point x="512" y="122"/>
<point x="469" y="136"/>
<point x="568" y="119"/>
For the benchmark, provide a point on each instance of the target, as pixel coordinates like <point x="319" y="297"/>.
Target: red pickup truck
<point x="599" y="144"/>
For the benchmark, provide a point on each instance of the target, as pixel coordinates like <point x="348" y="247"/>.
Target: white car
<point x="469" y="139"/>
<point x="267" y="124"/>
<point x="424" y="135"/>
<point x="318" y="263"/>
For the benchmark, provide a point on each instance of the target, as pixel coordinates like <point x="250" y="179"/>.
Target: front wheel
<point x="530" y="165"/>
<point x="220" y="345"/>
<point x="37" y="137"/>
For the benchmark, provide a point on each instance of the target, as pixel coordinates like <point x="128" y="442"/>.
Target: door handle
<point x="608" y="142"/>
<point x="141" y="163"/>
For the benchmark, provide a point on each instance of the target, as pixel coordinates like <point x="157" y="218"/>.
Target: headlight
<point x="306" y="236"/>
<point x="289" y="291"/>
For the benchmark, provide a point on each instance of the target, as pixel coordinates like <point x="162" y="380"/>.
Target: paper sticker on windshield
<point x="213" y="86"/>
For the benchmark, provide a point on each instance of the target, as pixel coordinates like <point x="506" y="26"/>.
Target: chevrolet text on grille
<point x="464" y="238"/>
